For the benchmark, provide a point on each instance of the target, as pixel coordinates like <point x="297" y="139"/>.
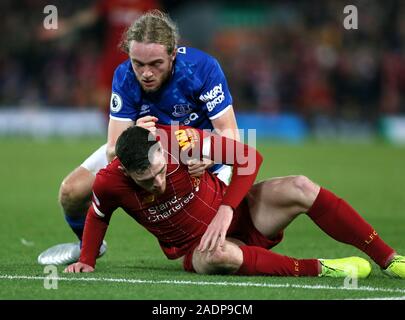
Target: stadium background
<point x="326" y="102"/>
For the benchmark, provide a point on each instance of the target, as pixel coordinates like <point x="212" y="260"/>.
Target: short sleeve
<point x="122" y="105"/>
<point x="215" y="92"/>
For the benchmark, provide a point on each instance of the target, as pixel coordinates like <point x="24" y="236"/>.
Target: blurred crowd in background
<point x="278" y="56"/>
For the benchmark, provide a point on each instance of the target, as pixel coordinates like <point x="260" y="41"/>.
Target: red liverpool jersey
<point x="179" y="217"/>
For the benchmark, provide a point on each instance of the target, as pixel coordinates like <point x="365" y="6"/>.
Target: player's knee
<point x="218" y="258"/>
<point x="303" y="184"/>
<point x="222" y="261"/>
<point x="71" y="194"/>
<point x="305" y="189"/>
<point x="66" y="193"/>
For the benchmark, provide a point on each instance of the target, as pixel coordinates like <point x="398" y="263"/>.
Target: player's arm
<point x="196" y="144"/>
<point x="93" y="235"/>
<point x="97" y="220"/>
<point x="246" y="162"/>
<point x="217" y="101"/>
<point x="226" y="125"/>
<point x="115" y="128"/>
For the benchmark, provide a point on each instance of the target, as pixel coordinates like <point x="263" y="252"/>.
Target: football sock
<point x="339" y="220"/>
<point x="260" y="261"/>
<point x="76" y="224"/>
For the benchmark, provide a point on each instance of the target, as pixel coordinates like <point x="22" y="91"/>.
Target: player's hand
<point x="215" y="234"/>
<point x="196" y="168"/>
<point x="147" y="122"/>
<point x="78" y="267"/>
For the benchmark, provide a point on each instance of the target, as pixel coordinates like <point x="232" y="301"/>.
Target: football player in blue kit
<point x="159" y="83"/>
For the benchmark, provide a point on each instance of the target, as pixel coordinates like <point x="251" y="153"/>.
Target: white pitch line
<point x="202" y="283"/>
<point x="384" y="298"/>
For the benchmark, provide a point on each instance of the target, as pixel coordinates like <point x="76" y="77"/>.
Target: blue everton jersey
<point x="195" y="94"/>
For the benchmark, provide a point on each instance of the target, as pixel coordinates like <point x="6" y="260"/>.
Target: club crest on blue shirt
<point x="180" y="110"/>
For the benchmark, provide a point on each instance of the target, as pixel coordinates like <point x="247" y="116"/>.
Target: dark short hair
<point x="132" y="148"/>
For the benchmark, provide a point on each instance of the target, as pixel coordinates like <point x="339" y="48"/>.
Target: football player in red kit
<point x="219" y="228"/>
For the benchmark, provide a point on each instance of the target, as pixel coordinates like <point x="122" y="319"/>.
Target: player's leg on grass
<point x="75" y="190"/>
<point x="268" y="202"/>
<point x="75" y="199"/>
<point x="272" y="208"/>
<point x="225" y="260"/>
<point x="232" y="259"/>
<point x="236" y="258"/>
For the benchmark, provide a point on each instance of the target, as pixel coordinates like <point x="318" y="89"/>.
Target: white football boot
<point x="65" y="253"/>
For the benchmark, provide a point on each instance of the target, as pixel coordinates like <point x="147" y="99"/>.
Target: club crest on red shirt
<point x="148" y="199"/>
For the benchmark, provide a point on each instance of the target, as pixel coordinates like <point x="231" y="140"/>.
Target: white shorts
<point x="97" y="161"/>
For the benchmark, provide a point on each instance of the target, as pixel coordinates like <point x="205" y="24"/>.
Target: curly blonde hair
<point x="152" y="27"/>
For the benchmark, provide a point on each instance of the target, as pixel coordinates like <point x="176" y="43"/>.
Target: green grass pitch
<point x="369" y="176"/>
